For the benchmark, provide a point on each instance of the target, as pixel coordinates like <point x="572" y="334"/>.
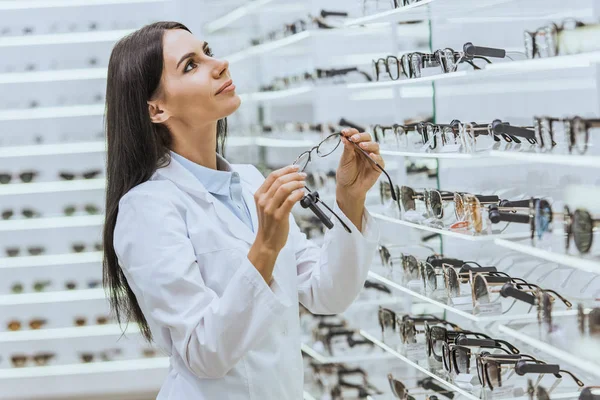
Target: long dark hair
<point x="136" y="146"/>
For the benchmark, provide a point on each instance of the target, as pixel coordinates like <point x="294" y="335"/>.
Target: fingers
<point x="273" y="176"/>
<point x="289" y="202"/>
<point x="378" y="159"/>
<point x="284" y="179"/>
<point x="359" y="137"/>
<point x="370" y="147"/>
<point x="282" y="195"/>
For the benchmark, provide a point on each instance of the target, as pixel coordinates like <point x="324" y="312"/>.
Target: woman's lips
<point x="227" y="87"/>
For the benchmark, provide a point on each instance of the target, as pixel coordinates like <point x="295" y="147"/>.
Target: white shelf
<point x="73" y="332"/>
<point x="52" y="149"/>
<point x="492" y="70"/>
<point x="299" y="92"/>
<point x="53" y="76"/>
<point x="268" y="47"/>
<point x="20" y="114"/>
<point x="64" y="38"/>
<point x="465" y="236"/>
<point x="137" y="365"/>
<point x="548" y="158"/>
<point x="28" y="224"/>
<point x="52" y="187"/>
<point x="454" y="310"/>
<point x="90" y="257"/>
<point x="52" y="297"/>
<point x="322" y="359"/>
<point x="249" y="8"/>
<point x="562" y="355"/>
<point x="418" y="154"/>
<point x="31" y="4"/>
<point x="418" y="367"/>
<point x="411" y="12"/>
<point x="587" y="264"/>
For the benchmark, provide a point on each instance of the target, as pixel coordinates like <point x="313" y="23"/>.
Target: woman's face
<point x="196" y="88"/>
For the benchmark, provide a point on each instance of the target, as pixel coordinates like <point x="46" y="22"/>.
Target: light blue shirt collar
<point x="216" y="181"/>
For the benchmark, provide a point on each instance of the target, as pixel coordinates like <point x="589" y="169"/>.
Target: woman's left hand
<point x="356" y="174"/>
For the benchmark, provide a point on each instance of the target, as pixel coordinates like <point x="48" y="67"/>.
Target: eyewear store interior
<point x="485" y="285"/>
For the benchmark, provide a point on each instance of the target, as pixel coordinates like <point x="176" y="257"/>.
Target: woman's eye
<point x="188" y="64"/>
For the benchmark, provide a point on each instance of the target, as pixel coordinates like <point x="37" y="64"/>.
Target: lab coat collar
<point x="186" y="181"/>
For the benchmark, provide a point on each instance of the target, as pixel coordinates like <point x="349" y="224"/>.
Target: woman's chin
<point x="231" y="105"/>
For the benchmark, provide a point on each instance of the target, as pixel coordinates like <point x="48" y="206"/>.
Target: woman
<point x="205" y="255"/>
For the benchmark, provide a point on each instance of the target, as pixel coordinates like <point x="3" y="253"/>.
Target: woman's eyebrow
<point x="191" y="54"/>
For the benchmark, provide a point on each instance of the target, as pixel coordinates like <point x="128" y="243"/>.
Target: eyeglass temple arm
<point x="345" y="122"/>
<point x="393" y="192"/>
<point x="577" y="380"/>
<point x="565" y="301"/>
<point x="471" y="51"/>
<point x="331" y="211"/>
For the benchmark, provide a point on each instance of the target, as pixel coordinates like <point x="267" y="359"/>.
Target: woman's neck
<point x="198" y="146"/>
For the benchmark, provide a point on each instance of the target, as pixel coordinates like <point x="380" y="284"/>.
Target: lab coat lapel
<point x="187" y="182"/>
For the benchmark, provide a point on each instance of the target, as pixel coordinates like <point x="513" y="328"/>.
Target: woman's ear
<point x="157" y="114"/>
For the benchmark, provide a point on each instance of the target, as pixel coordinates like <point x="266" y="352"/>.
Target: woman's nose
<point x="221" y="68"/>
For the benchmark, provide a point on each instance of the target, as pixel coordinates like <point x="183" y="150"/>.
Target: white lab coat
<point x="229" y="335"/>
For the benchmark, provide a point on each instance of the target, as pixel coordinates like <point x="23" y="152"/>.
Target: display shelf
<point x="52" y="187"/>
<point x="89" y="257"/>
<point x="53" y="76"/>
<point x="249" y="8"/>
<point x="582" y="364"/>
<point x="52" y="297"/>
<point x="66" y="333"/>
<point x="465" y="236"/>
<point x="32" y="4"/>
<point x="493" y="70"/>
<point x="107" y="371"/>
<point x="302" y="92"/>
<point x="64" y="38"/>
<point x="413" y="364"/>
<point x="461" y="313"/>
<point x="419" y="154"/>
<point x="411" y="12"/>
<point x="27" y="224"/>
<point x="52" y="149"/>
<point x="21" y="114"/>
<point x="263" y="48"/>
<point x="548" y="158"/>
<point x="355" y="358"/>
<point x="587" y="263"/>
<point x="460" y="11"/>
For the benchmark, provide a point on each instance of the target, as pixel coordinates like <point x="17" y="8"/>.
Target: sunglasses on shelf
<point x="87" y="208"/>
<point x="32" y="251"/>
<point x="592" y="319"/>
<point x="25" y="213"/>
<point x="579" y="225"/>
<point x="491" y="366"/>
<point x="38" y="286"/>
<point x="436" y="336"/>
<point x="24" y="177"/>
<point x="106" y="355"/>
<point x="39" y="359"/>
<point x="36" y="323"/>
<point x="81" y="247"/>
<point x="544" y="41"/>
<point x="576" y="129"/>
<point x="590" y="393"/>
<point x="400" y="391"/>
<point x="536" y="393"/>
<point x="456" y="358"/>
<point x="69" y="176"/>
<point x="82" y="321"/>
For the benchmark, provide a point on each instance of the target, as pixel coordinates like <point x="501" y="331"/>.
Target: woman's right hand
<point x="274" y="199"/>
